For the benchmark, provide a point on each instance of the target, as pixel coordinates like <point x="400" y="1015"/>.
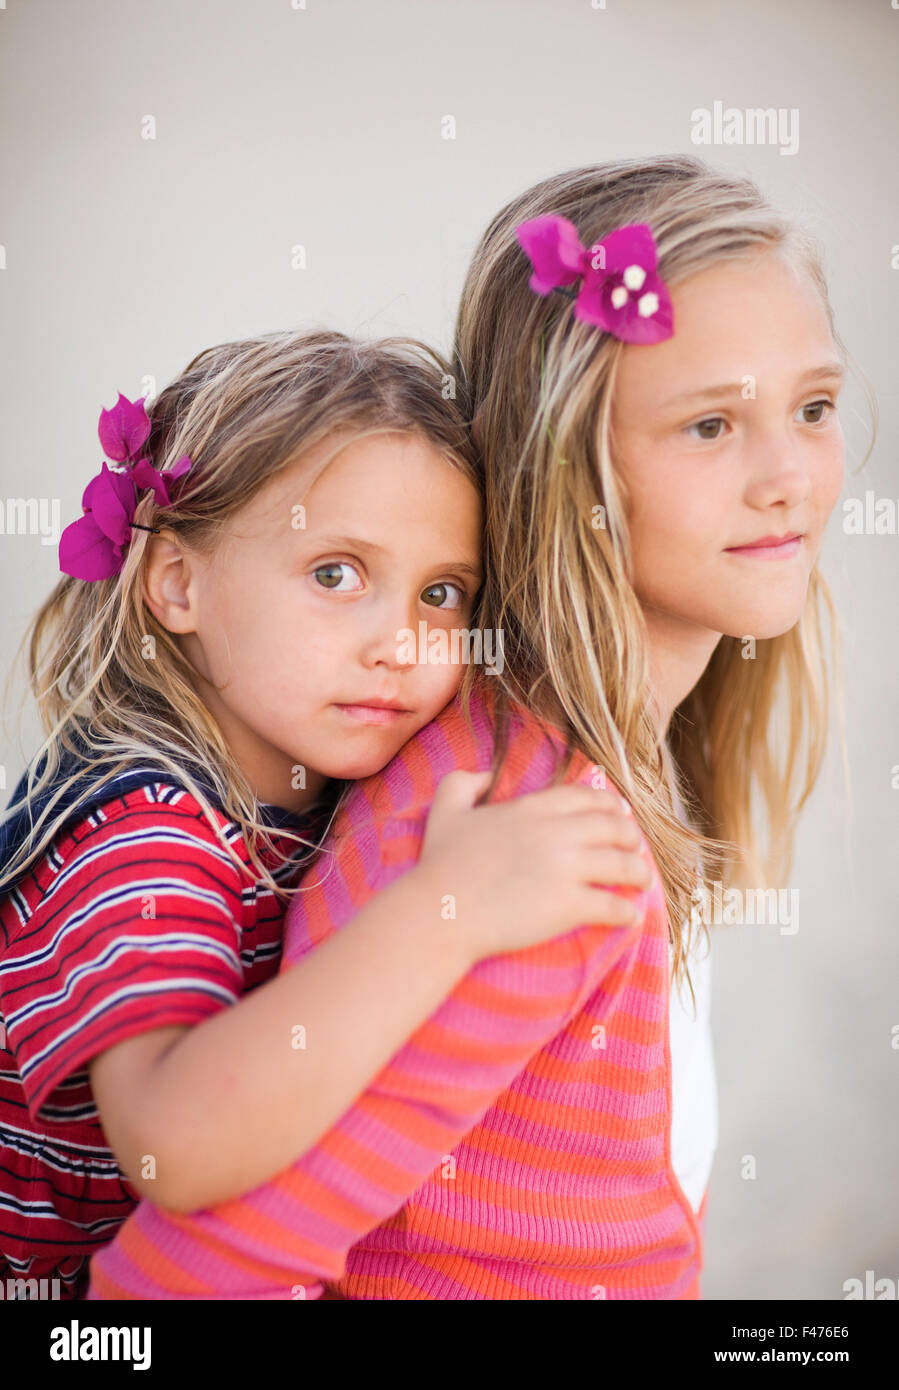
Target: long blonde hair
<point x="538" y="382"/>
<point x="242" y="411"/>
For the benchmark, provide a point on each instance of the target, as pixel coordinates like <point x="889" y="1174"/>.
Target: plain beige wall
<point x="322" y="127"/>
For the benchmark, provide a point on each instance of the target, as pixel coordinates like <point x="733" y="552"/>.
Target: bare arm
<point x="224" y="1105"/>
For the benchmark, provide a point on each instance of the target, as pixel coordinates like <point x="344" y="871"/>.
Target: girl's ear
<point x="168" y="591"/>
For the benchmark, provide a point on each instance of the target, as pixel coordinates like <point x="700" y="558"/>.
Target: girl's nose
<point x="779" y="472"/>
<point x="389" y="632"/>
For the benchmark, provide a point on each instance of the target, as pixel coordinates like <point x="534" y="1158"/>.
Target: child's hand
<point x="538" y="866"/>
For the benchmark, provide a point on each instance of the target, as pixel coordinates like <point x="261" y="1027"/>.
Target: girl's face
<point x="294" y="620"/>
<point x="729" y="445"/>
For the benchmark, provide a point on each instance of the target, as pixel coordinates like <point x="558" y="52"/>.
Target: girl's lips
<point x="775" y="550"/>
<point x="372" y="714"/>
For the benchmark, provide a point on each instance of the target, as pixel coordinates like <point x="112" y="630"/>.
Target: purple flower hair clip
<point x="94" y="546"/>
<point x="620" y="291"/>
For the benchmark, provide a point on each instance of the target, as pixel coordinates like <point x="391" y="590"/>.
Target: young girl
<point x="221" y="659"/>
<point x="660" y="467"/>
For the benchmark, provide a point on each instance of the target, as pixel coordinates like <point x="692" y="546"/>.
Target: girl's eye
<point x="700" y="424"/>
<point x="436" y="595"/>
<point x="826" y="407"/>
<point x="329" y="577"/>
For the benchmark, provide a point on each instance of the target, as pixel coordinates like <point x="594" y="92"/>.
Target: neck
<point x="679" y="652"/>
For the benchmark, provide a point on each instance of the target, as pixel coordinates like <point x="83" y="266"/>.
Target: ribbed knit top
<point x="516" y="1147"/>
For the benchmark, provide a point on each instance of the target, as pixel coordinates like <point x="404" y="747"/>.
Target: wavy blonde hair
<point x="242" y="411"/>
<point x="539" y="386"/>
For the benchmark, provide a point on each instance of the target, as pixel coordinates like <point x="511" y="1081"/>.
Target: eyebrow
<point x="356" y="543"/>
<point x="829" y="371"/>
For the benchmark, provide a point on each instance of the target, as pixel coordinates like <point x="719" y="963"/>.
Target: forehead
<point x="394" y="489"/>
<point x="762" y="315"/>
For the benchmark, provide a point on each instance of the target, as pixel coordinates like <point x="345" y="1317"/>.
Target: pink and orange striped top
<point x="516" y="1147"/>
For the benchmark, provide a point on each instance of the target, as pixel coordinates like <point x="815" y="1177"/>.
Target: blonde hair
<point x="538" y="383"/>
<point x="242" y="411"/>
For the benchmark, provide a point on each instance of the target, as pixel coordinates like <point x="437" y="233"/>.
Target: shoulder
<point x="158" y="812"/>
<point x="377" y="833"/>
<point x="157" y="829"/>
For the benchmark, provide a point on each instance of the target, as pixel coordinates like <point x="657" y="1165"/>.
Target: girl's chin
<point x="762" y="628"/>
<point x="765" y="612"/>
<point x="354" y="769"/>
<point x="358" y="771"/>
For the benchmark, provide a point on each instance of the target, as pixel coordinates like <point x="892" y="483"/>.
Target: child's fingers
<point x="601" y="907"/>
<point x="614" y="866"/>
<point x="601" y="828"/>
<point x="574" y="799"/>
<point x="459" y="789"/>
<point x="456" y="793"/>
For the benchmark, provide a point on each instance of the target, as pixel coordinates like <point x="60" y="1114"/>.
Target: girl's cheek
<point x="830" y="483"/>
<point x="450" y="680"/>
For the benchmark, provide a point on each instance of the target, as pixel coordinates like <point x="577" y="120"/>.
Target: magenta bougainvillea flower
<point x="621" y="291"/>
<point x="555" y="252"/>
<point x="145" y="475"/>
<point x="93" y="547"/>
<point x="124" y="429"/>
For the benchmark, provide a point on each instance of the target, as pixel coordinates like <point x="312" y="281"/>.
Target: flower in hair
<point x="620" y="290"/>
<point x="93" y="547"/>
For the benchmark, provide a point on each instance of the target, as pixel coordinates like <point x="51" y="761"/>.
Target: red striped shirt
<point x="136" y="918"/>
